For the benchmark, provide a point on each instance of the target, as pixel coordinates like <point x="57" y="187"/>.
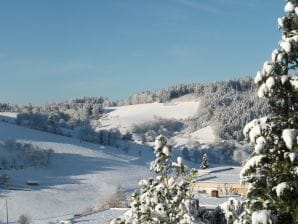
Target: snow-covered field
<point x="8" y="117"/>
<point x="205" y="135"/>
<point x="9" y="114"/>
<point x="80" y="176"/>
<point x="124" y="117"/>
<point x="222" y="174"/>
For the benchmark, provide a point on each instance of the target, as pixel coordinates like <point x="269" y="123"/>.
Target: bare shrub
<point x="161" y="126"/>
<point x="116" y="200"/>
<point x="18" y="155"/>
<point x="227" y="189"/>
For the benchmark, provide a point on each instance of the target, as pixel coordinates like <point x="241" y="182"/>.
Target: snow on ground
<point x="9" y="117"/>
<point x="220" y="178"/>
<point x="81" y="174"/>
<point x="101" y="217"/>
<point x="222" y="174"/>
<point x="205" y="135"/>
<point x="185" y="98"/>
<point x="9" y="114"/>
<point x="211" y="203"/>
<point x="124" y="117"/>
<point x="79" y="177"/>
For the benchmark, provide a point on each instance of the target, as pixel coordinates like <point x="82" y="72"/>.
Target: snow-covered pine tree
<point x="204" y="163"/>
<point x="272" y="170"/>
<point x="166" y="198"/>
<point x="231" y="209"/>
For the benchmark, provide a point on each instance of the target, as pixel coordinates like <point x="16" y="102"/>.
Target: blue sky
<point x="52" y="50"/>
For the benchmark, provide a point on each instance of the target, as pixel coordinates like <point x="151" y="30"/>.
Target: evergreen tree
<point x="186" y="154"/>
<point x="96" y="111"/>
<point x="272" y="170"/>
<point x="204" y="163"/>
<point x="87" y="111"/>
<point x="167" y="197"/>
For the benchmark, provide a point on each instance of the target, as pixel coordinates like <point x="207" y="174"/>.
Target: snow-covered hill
<point x="126" y="117"/>
<point x="80" y="175"/>
<point x="203" y="135"/>
<point x="9" y="117"/>
<point x="8" y="114"/>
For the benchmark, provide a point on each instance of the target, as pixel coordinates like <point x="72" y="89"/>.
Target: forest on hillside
<point x="225" y="105"/>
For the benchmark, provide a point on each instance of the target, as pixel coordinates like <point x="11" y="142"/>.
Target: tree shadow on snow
<point x="65" y="168"/>
<point x="108" y="110"/>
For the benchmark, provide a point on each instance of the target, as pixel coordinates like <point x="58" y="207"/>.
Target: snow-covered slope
<point x="9" y="117"/>
<point x="8" y="114"/>
<point x="80" y="175"/>
<point x="203" y="135"/>
<point x="124" y="117"/>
